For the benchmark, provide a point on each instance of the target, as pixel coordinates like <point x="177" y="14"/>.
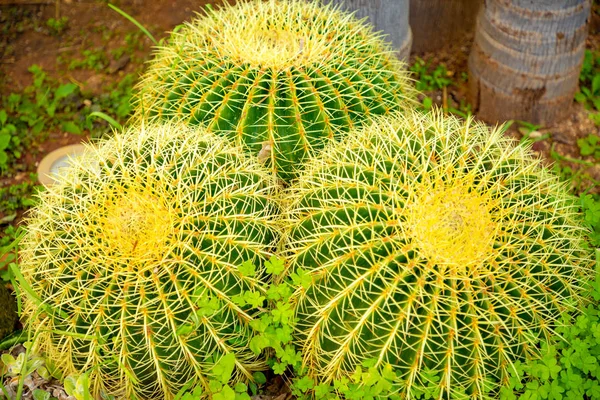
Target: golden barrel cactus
<point x="280" y="77"/>
<point x="435" y="246"/>
<point x="135" y="253"/>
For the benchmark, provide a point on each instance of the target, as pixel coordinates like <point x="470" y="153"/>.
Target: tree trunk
<point x="388" y="16"/>
<point x="437" y="23"/>
<point x="526" y="59"/>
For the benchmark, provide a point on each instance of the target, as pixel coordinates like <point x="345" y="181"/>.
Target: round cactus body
<point x="135" y="256"/>
<point x="436" y="247"/>
<point x="280" y="77"/>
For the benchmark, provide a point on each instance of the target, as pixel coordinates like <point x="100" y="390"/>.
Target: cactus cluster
<point x="134" y="257"/>
<point x="280" y="77"/>
<point x="435" y="246"/>
<point x="432" y="245"/>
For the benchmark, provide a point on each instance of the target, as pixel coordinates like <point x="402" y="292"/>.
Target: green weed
<point x="26" y="116"/>
<point x="433" y="78"/>
<point x="589" y="146"/>
<point x="589" y="81"/>
<point x="57" y="26"/>
<point x="92" y="59"/>
<point x="578" y="178"/>
<point x="590" y="207"/>
<point x="429" y="78"/>
<point x="17" y="197"/>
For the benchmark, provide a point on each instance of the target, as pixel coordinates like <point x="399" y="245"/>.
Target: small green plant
<point x="219" y="387"/>
<point x="21" y="368"/>
<point x="429" y="78"/>
<point x="8" y="139"/>
<point x="46" y="105"/>
<point x="18" y="197"/>
<point x="57" y="26"/>
<point x="25" y="117"/>
<point x="78" y="386"/>
<point x="93" y="59"/>
<point x="530" y="132"/>
<point x="589" y="146"/>
<point x="578" y="178"/>
<point x="589" y="81"/>
<point x="132" y="43"/>
<point x="590" y="207"/>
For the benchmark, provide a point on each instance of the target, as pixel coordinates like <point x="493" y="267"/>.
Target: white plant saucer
<point x="51" y="165"/>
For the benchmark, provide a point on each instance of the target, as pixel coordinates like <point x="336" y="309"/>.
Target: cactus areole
<point x="131" y="261"/>
<point x="281" y="77"/>
<point x="434" y="246"/>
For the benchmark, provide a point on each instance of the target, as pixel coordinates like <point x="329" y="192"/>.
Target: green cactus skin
<point x="135" y="255"/>
<point x="435" y="246"/>
<point x="281" y="77"/>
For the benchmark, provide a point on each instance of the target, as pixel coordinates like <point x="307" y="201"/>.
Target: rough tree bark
<point x="438" y="23"/>
<point x="388" y="16"/>
<point x="526" y="59"/>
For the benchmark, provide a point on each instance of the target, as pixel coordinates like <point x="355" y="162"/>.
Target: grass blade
<point x="107" y="118"/>
<point x="133" y="21"/>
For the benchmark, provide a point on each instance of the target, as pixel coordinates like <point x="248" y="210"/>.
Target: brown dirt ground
<point x="28" y="42"/>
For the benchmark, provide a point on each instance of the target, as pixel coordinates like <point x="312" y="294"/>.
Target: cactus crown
<point x="275" y="35"/>
<point x="435" y="246"/>
<point x="280" y="77"/>
<point x="137" y="251"/>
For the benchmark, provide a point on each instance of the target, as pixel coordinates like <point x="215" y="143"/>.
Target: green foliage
<point x="530" y="132"/>
<point x="132" y="43"/>
<point x="589" y="146"/>
<point x="429" y="78"/>
<point x="93" y="59"/>
<point x="578" y="178"/>
<point x="219" y="387"/>
<point x="590" y="207"/>
<point x="26" y="117"/>
<point x="589" y="81"/>
<point x="8" y="138"/>
<point x="46" y="105"/>
<point x="18" y="197"/>
<point x="134" y="21"/>
<point x="57" y="26"/>
<point x="78" y="386"/>
<point x="39" y="394"/>
<point x="21" y="368"/>
<point x="25" y="363"/>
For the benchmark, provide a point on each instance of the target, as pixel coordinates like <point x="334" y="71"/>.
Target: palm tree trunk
<point x="526" y="59"/>
<point x="438" y="23"/>
<point x="388" y="16"/>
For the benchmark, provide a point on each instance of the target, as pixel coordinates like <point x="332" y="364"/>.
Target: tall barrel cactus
<point x="434" y="246"/>
<point x="281" y="77"/>
<point x="134" y="257"/>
